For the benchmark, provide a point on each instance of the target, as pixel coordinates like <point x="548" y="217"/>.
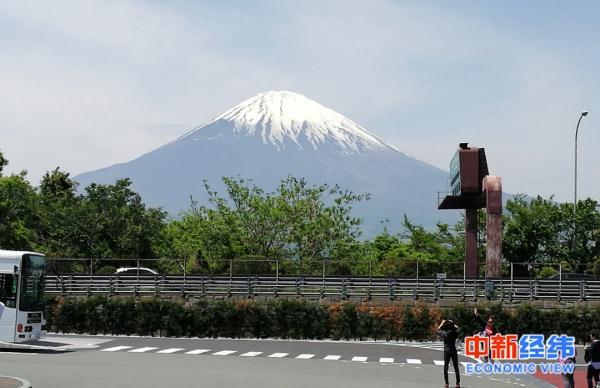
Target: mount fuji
<point x="276" y="134"/>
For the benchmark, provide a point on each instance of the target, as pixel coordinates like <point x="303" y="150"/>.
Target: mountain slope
<point x="275" y="134"/>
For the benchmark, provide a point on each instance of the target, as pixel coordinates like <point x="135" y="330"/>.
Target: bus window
<point x="32" y="283"/>
<point x="8" y="290"/>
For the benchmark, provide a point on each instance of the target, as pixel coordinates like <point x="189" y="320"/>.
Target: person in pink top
<point x="487" y="330"/>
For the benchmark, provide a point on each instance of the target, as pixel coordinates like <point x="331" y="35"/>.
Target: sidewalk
<point x="580" y="377"/>
<point x="13" y="382"/>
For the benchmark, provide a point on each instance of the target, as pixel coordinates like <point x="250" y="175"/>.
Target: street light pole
<point x="582" y="115"/>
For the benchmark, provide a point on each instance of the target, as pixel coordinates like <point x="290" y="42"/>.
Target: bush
<point x="300" y="319"/>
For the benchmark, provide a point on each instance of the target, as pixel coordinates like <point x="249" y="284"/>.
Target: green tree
<point x="441" y="250"/>
<point x="58" y="229"/>
<point x="319" y="219"/>
<point x="3" y="162"/>
<point x="19" y="216"/>
<point x="542" y="231"/>
<point x="112" y="221"/>
<point x="297" y="220"/>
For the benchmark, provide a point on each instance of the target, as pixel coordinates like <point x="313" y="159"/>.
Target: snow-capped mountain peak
<point x="283" y="118"/>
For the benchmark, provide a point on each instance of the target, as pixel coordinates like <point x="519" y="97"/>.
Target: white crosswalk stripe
<point x="198" y="351"/>
<point x="301" y="356"/>
<point x="116" y="348"/>
<point x="305" y="356"/>
<point x="169" y="351"/>
<point x="224" y="353"/>
<point x="278" y="355"/>
<point x="251" y="354"/>
<point x="142" y="350"/>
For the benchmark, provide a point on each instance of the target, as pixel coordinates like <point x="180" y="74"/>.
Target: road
<point x="161" y="362"/>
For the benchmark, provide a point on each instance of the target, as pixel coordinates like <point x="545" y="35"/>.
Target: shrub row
<point x="298" y="319"/>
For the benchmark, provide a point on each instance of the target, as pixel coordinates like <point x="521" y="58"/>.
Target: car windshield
<point x="32" y="284"/>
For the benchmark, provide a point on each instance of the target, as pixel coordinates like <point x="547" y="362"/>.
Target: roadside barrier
<point x="366" y="288"/>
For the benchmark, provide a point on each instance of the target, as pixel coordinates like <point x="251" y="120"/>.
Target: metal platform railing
<point x="366" y="288"/>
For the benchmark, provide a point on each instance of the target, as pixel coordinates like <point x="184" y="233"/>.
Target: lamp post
<point x="582" y="115"/>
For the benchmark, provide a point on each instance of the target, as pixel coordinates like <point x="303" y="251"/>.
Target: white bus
<point x="22" y="284"/>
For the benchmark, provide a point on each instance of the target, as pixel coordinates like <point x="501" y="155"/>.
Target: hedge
<point x="299" y="319"/>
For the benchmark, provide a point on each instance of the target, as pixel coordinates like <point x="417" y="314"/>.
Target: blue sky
<point x="87" y="84"/>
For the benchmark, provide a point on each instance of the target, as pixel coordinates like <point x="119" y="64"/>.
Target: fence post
<point x="417" y="273"/>
<point x="559" y="280"/>
<point x="370" y="276"/>
<point x="512" y="281"/>
<point x="156" y="286"/>
<point x="417" y="290"/>
<point x="277" y="271"/>
<point x="138" y="273"/>
<point x="324" y="272"/>
<point x="91" y="283"/>
<point x="464" y="276"/>
<point x="184" y="276"/>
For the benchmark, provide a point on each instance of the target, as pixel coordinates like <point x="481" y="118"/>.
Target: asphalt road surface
<point x="95" y="362"/>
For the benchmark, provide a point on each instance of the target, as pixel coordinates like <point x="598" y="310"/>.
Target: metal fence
<point x="365" y="288"/>
<point x="398" y="267"/>
<point x="392" y="279"/>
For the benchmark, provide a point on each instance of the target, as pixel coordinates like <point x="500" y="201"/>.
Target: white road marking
<point x="198" y="351"/>
<point x="305" y="356"/>
<point x="169" y="351"/>
<point x="464" y="364"/>
<point x="224" y="353"/>
<point x="332" y="357"/>
<point x="386" y="359"/>
<point x="413" y="361"/>
<point x="438" y="362"/>
<point x="251" y="354"/>
<point x="116" y="348"/>
<point x="359" y="358"/>
<point x="278" y="355"/>
<point x="142" y="350"/>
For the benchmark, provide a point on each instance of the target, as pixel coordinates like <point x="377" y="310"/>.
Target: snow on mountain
<point x="279" y="116"/>
<point x="276" y="134"/>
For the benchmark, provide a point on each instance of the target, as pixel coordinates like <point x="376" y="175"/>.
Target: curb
<point x="16" y="382"/>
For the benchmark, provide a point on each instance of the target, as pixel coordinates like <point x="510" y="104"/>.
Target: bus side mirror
<point x="16" y="269"/>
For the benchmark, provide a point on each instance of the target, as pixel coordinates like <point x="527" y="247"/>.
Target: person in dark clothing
<point x="569" y="378"/>
<point x="449" y="332"/>
<point x="592" y="357"/>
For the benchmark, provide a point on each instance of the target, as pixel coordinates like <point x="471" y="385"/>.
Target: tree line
<point x="296" y="227"/>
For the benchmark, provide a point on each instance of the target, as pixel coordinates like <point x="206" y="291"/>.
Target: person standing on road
<point x="449" y="332"/>
<point x="568" y="378"/>
<point x="487" y="330"/>
<point x="592" y="357"/>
